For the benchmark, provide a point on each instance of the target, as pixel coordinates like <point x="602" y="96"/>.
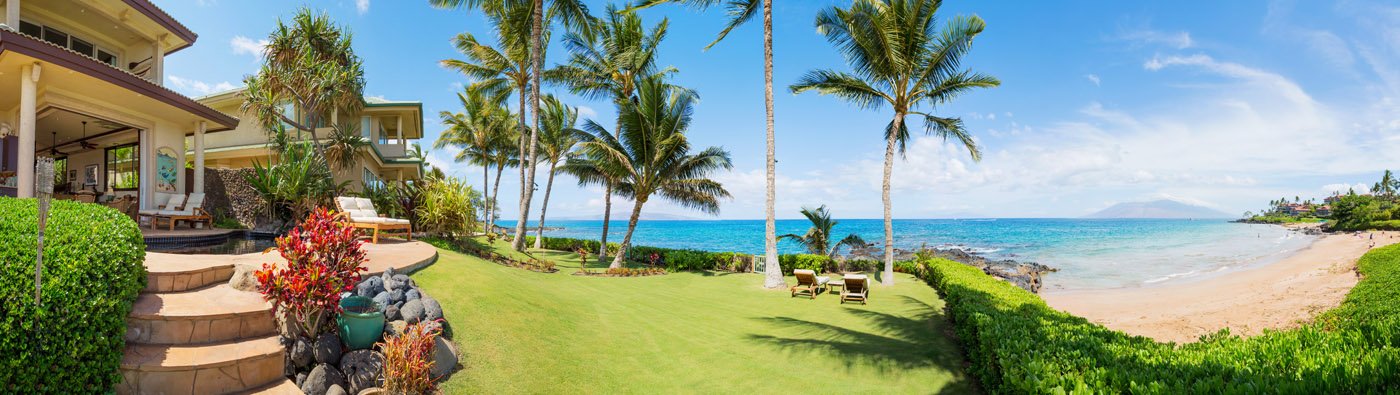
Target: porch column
<point x="12" y="14"/>
<point x="403" y="142"/>
<point x="28" y="89"/>
<point x="158" y="64"/>
<point x="199" y="157"/>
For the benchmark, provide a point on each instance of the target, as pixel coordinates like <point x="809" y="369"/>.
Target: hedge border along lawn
<point x="1018" y="344"/>
<point x="93" y="271"/>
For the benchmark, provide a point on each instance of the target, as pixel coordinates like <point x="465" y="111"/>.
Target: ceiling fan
<point x="53" y="150"/>
<point x="86" y="144"/>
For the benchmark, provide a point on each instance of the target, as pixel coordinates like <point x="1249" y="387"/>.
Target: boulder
<point x="362" y="369"/>
<point x="396" y="296"/>
<point x="413" y="311"/>
<point x="301" y="379"/>
<point x="335" y="390"/>
<point x="412" y="294"/>
<point x="327" y="349"/>
<point x="302" y="355"/>
<point x="321" y="379"/>
<point x="431" y="309"/>
<point x="432" y="326"/>
<point x="383" y="300"/>
<point x="289" y="369"/>
<point x="444" y="358"/>
<point x="243" y="278"/>
<point x="391" y="313"/>
<point x="373" y="391"/>
<point x="397" y="281"/>
<point x="394" y="328"/>
<point x="369" y="287"/>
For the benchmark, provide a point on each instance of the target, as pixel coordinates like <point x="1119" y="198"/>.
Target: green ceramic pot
<point x="360" y="321"/>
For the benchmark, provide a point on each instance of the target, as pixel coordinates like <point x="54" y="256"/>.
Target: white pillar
<point x="28" y="90"/>
<point x="12" y="14"/>
<point x="158" y="64"/>
<point x="402" y="141"/>
<point x="199" y="157"/>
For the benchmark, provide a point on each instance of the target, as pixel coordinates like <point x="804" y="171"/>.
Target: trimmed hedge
<point x="92" y="274"/>
<point x="813" y="262"/>
<point x="671" y="259"/>
<point x="1018" y="344"/>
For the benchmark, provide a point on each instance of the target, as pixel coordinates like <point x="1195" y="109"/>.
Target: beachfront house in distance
<point x="389" y="126"/>
<point x="81" y="82"/>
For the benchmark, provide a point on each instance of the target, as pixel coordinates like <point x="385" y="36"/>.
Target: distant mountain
<point x="1158" y="209"/>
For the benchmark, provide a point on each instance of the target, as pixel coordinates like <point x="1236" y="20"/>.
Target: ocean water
<point x="1090" y="253"/>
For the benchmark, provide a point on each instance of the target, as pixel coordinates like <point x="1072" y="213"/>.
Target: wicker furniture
<point x="362" y="215"/>
<point x="809" y="282"/>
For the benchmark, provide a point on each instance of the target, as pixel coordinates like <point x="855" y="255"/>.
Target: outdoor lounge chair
<point x="809" y="282"/>
<point x="361" y="214"/>
<point x="192" y="211"/>
<point x="167" y="202"/>
<point x="857" y="288"/>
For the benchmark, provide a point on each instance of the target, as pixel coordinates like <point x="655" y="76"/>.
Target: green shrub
<point x="813" y="262"/>
<point x="92" y="273"/>
<point x="1017" y="344"/>
<point x="448" y="207"/>
<point x="671" y="259"/>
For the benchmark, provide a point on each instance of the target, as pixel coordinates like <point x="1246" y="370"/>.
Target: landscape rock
<point x="413" y="311"/>
<point x="391" y="313"/>
<point x="395" y="328"/>
<point x="373" y="391"/>
<point x="289" y="369"/>
<point x="432" y="326"/>
<point x="327" y="349"/>
<point x="301" y="379"/>
<point x="431" y="309"/>
<point x="396" y="296"/>
<point x="382" y="299"/>
<point x="370" y="287"/>
<point x="321" y="379"/>
<point x="398" y="281"/>
<point x="335" y="390"/>
<point x="243" y="278"/>
<point x="302" y="354"/>
<point x="444" y="358"/>
<point x="362" y="369"/>
<point x="412" y="294"/>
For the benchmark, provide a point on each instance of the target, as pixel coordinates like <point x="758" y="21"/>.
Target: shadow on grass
<point x="914" y="340"/>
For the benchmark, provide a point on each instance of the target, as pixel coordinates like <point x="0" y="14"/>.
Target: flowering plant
<point x="408" y="360"/>
<point x="323" y="259"/>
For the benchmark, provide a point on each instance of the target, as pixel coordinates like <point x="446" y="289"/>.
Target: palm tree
<point x="607" y="62"/>
<point x="557" y="139"/>
<point x="653" y="155"/>
<point x="310" y="65"/>
<point x="1388" y="185"/>
<point x="740" y="12"/>
<point x="817" y="240"/>
<point x="900" y="59"/>
<point x="485" y="126"/>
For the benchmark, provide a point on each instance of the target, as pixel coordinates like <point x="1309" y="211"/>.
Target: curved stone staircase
<point x="189" y="332"/>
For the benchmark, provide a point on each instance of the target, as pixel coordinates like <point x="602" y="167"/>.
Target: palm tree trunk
<point x="548" y="186"/>
<point x="773" y="275"/>
<point x="627" y="238"/>
<point x="888" y="278"/>
<point x="607" y="218"/>
<point x="536" y="58"/>
<point x="495" y="189"/>
<point x="486" y="191"/>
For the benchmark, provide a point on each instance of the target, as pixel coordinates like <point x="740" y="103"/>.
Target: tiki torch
<point x="43" y="189"/>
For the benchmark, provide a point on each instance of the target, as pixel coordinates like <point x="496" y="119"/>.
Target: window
<point x="54" y="36"/>
<point x="82" y="47"/>
<point x="31" y="29"/>
<point x="123" y="167"/>
<point x="372" y="180"/>
<point x="60" y="174"/>
<point x="59" y="38"/>
<point x="106" y="57"/>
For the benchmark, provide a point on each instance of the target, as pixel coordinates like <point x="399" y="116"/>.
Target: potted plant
<point x="361" y="322"/>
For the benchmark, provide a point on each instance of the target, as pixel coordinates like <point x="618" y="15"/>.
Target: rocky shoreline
<point x="1027" y="275"/>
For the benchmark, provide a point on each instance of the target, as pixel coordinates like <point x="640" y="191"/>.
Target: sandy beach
<point x="1277" y="295"/>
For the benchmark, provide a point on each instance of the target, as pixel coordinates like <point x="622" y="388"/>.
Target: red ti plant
<point x="408" y="360"/>
<point x="323" y="259"/>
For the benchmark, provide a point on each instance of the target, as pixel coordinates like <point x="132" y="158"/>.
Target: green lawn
<point x="528" y="332"/>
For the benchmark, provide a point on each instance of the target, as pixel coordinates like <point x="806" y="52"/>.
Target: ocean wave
<point x="1171" y="276"/>
<point x="967" y="249"/>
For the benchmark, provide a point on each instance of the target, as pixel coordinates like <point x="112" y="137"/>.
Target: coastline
<point x="1274" y="295"/>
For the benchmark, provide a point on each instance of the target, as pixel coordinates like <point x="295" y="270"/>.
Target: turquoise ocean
<point x="1090" y="253"/>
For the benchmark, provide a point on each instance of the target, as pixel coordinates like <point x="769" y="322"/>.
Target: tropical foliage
<point x="324" y="259"/>
<point x="447" y="207"/>
<point x="484" y="133"/>
<point x="557" y="140"/>
<point x="408" y="360"/>
<point x="296" y="184"/>
<point x="818" y="239"/>
<point x="652" y="156"/>
<point x="900" y="59"/>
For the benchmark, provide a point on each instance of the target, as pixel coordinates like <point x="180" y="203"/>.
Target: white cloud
<point x="1094" y="78"/>
<point x="362" y="6"/>
<point x="197" y="88"/>
<point x="1359" y="187"/>
<point x="1178" y="40"/>
<point x="587" y="112"/>
<point x="246" y="46"/>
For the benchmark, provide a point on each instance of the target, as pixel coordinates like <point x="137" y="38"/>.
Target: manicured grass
<point x="528" y="332"/>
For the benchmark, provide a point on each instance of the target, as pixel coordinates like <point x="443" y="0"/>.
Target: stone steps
<point x="202" y="369"/>
<point x="211" y="314"/>
<point x="178" y="273"/>
<point x="284" y="387"/>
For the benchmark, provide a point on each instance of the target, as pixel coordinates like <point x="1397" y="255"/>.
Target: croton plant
<point x="324" y="259"/>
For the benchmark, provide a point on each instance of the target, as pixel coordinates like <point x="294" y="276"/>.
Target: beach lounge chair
<point x="192" y="211"/>
<point x="362" y="214"/>
<point x="171" y="202"/>
<point x="857" y="288"/>
<point x="160" y="200"/>
<point x="809" y="282"/>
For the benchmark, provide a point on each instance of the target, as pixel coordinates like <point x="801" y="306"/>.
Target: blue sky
<point x="1224" y="104"/>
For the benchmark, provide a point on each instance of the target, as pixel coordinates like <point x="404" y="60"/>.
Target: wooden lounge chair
<point x="857" y="288"/>
<point x="192" y="211"/>
<point x="361" y="214"/>
<point x="161" y="201"/>
<point x="809" y="282"/>
<point x="173" y="202"/>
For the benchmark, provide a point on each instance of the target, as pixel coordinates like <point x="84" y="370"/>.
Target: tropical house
<point x="390" y="127"/>
<point x="81" y="81"/>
